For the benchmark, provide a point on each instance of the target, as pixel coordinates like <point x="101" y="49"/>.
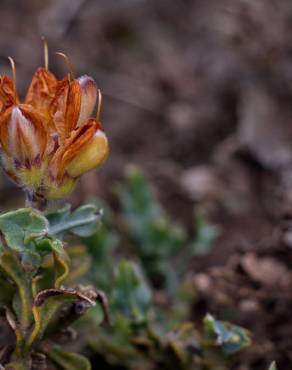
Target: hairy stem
<point x="35" y="200"/>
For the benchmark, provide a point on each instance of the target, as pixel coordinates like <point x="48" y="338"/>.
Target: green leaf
<point x="82" y="222"/>
<point x="48" y="245"/>
<point x="131" y="295"/>
<point x="230" y="338"/>
<point x="13" y="234"/>
<point x="20" y="229"/>
<point x="32" y="223"/>
<point x="53" y="273"/>
<point x="156" y="237"/>
<point x="46" y="309"/>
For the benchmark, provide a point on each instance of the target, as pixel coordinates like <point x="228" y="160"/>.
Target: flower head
<point x="51" y="139"/>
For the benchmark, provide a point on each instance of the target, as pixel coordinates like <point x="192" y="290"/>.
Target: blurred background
<point x="197" y="94"/>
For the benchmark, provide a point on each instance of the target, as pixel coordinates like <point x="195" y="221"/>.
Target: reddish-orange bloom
<point x="51" y="139"/>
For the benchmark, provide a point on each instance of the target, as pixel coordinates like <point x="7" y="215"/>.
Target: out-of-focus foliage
<point x="150" y="298"/>
<point x="155" y="237"/>
<point x="162" y="245"/>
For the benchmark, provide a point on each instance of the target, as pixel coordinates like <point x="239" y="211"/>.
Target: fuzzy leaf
<point x="82" y="222"/>
<point x="29" y="220"/>
<point x="20" y="230"/>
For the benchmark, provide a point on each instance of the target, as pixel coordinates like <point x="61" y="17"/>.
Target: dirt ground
<point x="198" y="93"/>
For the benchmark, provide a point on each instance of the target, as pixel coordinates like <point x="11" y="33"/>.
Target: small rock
<point x="201" y="183"/>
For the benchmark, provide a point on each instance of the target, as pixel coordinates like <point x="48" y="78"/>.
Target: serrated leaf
<point x="230" y="338"/>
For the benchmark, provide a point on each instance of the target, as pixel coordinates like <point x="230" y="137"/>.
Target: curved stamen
<point x="98" y="105"/>
<point x="13" y="68"/>
<point x="69" y="65"/>
<point x="46" y="52"/>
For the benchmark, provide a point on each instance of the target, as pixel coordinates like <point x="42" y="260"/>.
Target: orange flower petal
<point x="90" y="155"/>
<point x="8" y="96"/>
<point x="73" y="146"/>
<point x="66" y="107"/>
<point x="22" y="134"/>
<point x="41" y="92"/>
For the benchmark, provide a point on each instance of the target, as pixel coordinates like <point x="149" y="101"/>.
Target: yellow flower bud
<point x="92" y="155"/>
